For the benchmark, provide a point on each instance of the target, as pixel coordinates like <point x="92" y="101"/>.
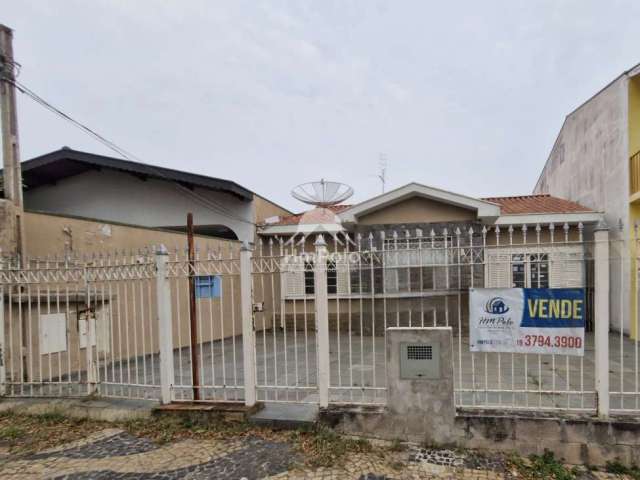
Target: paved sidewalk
<point x="115" y="454"/>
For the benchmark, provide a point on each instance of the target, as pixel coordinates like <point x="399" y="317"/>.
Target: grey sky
<point x="466" y="96"/>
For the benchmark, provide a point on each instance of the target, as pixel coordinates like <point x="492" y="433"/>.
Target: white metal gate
<point x="285" y="328"/>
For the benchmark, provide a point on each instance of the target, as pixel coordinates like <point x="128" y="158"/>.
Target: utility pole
<point x="13" y="237"/>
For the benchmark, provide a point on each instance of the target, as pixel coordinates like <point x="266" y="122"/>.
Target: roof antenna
<point x="382" y="176"/>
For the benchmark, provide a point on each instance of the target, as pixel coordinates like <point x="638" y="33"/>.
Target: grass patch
<point x="545" y="466"/>
<point x="322" y="447"/>
<point x="619" y="468"/>
<point x="30" y="433"/>
<point x="169" y="428"/>
<point x="318" y="446"/>
<point x="11" y="433"/>
<point x="397" y="446"/>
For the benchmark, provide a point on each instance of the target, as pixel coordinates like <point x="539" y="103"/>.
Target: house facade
<point x="420" y="249"/>
<point x="595" y="161"/>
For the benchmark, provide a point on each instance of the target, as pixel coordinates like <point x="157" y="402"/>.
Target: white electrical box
<point x="53" y="333"/>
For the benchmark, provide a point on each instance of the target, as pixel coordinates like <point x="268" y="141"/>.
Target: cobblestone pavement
<point x="115" y="454"/>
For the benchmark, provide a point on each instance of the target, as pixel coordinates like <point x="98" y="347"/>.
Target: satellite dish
<point x="322" y="193"/>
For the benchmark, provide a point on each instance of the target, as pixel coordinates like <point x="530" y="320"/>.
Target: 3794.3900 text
<point x="550" y="341"/>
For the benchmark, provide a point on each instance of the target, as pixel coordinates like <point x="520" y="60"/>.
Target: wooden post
<point x="195" y="371"/>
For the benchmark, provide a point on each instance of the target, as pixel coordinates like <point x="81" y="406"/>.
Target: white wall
<point x="121" y="197"/>
<point x="589" y="164"/>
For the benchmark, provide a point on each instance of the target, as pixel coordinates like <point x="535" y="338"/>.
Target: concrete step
<point x="229" y="411"/>
<point x="285" y="415"/>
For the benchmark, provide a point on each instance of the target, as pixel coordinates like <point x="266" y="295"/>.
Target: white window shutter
<point x="566" y="266"/>
<point x="497" y="272"/>
<point x="292" y="277"/>
<point x="342" y="276"/>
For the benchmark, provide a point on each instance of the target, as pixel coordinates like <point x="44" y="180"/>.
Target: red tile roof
<point x="544" y="203"/>
<point x="518" y="205"/>
<point x="295" y="219"/>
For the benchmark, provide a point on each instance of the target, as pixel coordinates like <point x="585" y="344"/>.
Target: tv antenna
<point x="382" y="176"/>
<point x="322" y="193"/>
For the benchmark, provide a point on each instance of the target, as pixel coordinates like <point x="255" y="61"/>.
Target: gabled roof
<point x="542" y="208"/>
<point x="66" y="162"/>
<point x="543" y="203"/>
<point x="485" y="210"/>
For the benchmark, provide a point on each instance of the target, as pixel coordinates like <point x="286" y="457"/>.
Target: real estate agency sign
<point x="527" y="320"/>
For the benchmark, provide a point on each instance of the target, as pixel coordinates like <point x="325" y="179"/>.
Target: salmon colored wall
<point x="417" y="210"/>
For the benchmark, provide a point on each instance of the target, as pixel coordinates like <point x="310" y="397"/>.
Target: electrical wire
<point x="206" y="202"/>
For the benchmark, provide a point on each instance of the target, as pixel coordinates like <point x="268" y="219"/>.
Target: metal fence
<point x="79" y="326"/>
<point x="305" y="319"/>
<point x="623" y="345"/>
<point x="416" y="279"/>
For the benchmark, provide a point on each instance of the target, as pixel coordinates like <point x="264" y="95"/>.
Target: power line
<point x="207" y="203"/>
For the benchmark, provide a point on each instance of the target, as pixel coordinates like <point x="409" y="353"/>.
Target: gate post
<point x="3" y="375"/>
<point x="248" y="332"/>
<point x="165" y="325"/>
<point x="92" y="371"/>
<point x="321" y="305"/>
<point x="601" y="320"/>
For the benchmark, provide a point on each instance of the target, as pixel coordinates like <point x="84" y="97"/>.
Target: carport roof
<point x="66" y="162"/>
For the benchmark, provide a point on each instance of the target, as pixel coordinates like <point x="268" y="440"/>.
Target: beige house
<point x="419" y="248"/>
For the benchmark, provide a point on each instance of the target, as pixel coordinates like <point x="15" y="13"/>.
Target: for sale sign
<point x="527" y="320"/>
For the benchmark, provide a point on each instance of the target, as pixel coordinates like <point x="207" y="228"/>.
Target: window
<point x="309" y="278"/>
<point x="366" y="274"/>
<point x="539" y="265"/>
<point x="332" y="278"/>
<point x="419" y="263"/>
<point x="518" y="271"/>
<point x="208" y="286"/>
<point x="530" y="270"/>
<point x="550" y="266"/>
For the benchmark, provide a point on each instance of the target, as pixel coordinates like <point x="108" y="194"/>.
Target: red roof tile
<point x="523" y="204"/>
<point x="544" y="203"/>
<point x="295" y="219"/>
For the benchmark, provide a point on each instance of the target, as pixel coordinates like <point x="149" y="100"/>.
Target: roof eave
<point x="307" y="229"/>
<point x="547" y="218"/>
<point x="124" y="165"/>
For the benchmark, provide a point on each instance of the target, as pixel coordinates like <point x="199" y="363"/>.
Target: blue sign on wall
<point x="208" y="286"/>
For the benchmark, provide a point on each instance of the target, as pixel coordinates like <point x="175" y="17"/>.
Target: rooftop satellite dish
<point x="322" y="193"/>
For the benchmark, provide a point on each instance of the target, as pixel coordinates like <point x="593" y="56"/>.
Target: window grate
<point x="419" y="352"/>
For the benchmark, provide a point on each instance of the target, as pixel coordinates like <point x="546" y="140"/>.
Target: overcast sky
<point x="465" y="96"/>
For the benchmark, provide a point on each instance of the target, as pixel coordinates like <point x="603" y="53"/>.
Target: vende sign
<point x="527" y="320"/>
